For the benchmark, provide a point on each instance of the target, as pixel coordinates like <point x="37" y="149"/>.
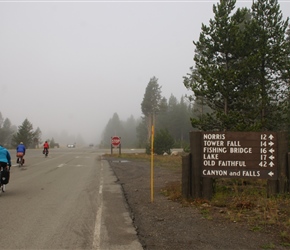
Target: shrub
<point x="163" y="142"/>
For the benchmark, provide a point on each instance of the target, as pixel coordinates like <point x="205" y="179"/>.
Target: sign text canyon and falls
<point x="239" y="154"/>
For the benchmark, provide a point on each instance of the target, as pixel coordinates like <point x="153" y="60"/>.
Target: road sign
<point x="116" y="140"/>
<point x="239" y="154"/>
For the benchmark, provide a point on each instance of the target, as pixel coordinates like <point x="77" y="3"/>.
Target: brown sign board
<point x="239" y="155"/>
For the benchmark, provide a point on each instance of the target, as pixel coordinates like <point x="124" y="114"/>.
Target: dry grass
<point x="236" y="200"/>
<point x="247" y="202"/>
<point x="168" y="161"/>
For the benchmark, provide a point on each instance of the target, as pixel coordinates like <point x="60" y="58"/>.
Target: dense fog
<point x="67" y="67"/>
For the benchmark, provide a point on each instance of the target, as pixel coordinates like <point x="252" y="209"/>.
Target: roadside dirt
<point x="164" y="224"/>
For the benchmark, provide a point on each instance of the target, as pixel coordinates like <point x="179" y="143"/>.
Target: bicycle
<point x="4" y="178"/>
<point x="20" y="161"/>
<point x="45" y="152"/>
<point x="2" y="188"/>
<point x="20" y="158"/>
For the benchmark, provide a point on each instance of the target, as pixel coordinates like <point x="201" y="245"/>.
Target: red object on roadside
<point x="116" y="140"/>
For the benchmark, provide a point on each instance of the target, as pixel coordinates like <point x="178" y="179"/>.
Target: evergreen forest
<point x="239" y="81"/>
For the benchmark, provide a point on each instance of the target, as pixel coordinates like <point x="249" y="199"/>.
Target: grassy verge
<point x="237" y="200"/>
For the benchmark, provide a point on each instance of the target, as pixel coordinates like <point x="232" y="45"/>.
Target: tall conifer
<point x="241" y="68"/>
<point x="268" y="58"/>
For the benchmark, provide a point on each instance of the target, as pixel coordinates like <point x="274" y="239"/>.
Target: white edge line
<point x="97" y="232"/>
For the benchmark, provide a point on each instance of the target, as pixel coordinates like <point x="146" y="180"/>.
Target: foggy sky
<point x="70" y="65"/>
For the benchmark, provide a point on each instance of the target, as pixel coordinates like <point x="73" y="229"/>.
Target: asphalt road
<point x="69" y="200"/>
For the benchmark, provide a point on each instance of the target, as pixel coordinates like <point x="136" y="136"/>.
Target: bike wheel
<point x="20" y="162"/>
<point x="2" y="188"/>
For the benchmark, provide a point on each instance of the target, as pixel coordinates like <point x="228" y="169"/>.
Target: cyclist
<point x="5" y="160"/>
<point x="45" y="147"/>
<point x="20" y="152"/>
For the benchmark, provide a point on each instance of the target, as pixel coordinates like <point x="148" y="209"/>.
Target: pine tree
<point x="6" y="132"/>
<point x="175" y="117"/>
<point x="162" y="120"/>
<point x="240" y="68"/>
<point x="150" y="105"/>
<point x="287" y="73"/>
<point x="163" y="142"/>
<point x="129" y="137"/>
<point x="114" y="127"/>
<point x="183" y="124"/>
<point x="142" y="133"/>
<point x="37" y="138"/>
<point x="217" y="61"/>
<point x="25" y="134"/>
<point x="269" y="47"/>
